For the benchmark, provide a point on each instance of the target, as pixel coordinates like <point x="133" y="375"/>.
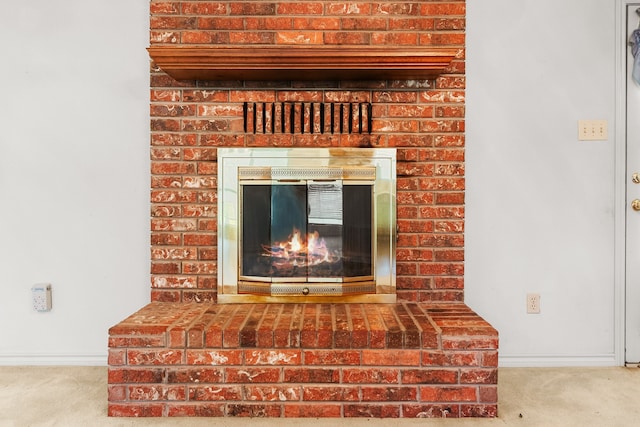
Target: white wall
<point x="540" y="204"/>
<point x="74" y="175"/>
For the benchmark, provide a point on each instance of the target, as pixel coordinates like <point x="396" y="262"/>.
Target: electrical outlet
<point x="533" y="303"/>
<point x="592" y="130"/>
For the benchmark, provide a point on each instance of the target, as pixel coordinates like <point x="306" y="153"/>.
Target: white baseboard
<point x="557" y="361"/>
<point x="53" y="360"/>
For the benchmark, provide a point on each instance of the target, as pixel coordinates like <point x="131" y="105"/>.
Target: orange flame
<point x="297" y="252"/>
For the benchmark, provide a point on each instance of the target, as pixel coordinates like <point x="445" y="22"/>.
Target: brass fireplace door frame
<point x="370" y="165"/>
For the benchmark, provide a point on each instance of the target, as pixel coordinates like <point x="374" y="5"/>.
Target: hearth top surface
<point x="400" y="325"/>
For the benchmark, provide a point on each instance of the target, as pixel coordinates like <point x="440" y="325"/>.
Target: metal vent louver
<point x="307" y="117"/>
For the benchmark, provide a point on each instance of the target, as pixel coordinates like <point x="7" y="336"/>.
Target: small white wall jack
<point x="533" y="303"/>
<point x="41" y="297"/>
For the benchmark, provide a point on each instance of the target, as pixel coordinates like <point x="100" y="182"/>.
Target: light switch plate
<point x="593" y="130"/>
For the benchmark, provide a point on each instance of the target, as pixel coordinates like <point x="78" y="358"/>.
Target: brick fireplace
<point x="318" y="74"/>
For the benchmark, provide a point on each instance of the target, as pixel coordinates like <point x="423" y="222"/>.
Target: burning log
<point x="297" y="252"/>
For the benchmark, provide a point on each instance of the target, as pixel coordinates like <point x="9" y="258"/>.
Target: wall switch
<point x="41" y="296"/>
<point x="592" y="130"/>
<point x="533" y="303"/>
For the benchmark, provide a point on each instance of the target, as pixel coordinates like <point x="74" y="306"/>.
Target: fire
<point x="295" y="244"/>
<point x="300" y="253"/>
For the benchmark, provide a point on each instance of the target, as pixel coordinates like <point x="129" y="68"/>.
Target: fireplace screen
<point x="304" y="230"/>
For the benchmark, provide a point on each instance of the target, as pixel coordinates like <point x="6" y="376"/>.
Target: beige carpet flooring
<point x="77" y="396"/>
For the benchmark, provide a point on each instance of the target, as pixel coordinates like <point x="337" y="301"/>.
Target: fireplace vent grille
<point x="307" y="117"/>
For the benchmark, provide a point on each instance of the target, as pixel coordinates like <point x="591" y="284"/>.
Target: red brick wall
<point x="423" y="119"/>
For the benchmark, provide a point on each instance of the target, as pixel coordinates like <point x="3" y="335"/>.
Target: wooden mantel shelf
<point x="301" y="63"/>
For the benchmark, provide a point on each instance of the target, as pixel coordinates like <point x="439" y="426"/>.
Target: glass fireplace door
<point x="314" y="233"/>
<point x="306" y="225"/>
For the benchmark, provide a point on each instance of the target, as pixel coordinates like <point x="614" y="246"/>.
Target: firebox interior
<point x="306" y="231"/>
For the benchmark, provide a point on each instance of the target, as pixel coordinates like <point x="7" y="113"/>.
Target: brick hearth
<point x="303" y="360"/>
